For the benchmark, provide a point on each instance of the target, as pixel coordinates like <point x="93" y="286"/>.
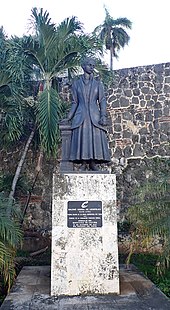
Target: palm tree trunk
<point x="20" y="164"/>
<point x="111" y="58"/>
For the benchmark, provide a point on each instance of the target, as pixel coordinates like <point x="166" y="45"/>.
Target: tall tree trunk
<point x="111" y="58"/>
<point x="37" y="169"/>
<point x="20" y="164"/>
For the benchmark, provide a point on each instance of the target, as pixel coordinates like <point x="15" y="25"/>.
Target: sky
<point x="149" y="38"/>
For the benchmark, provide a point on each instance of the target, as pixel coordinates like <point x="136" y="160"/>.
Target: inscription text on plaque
<point x="84" y="214"/>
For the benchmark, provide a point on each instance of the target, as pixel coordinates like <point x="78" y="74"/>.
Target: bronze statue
<point x="89" y="144"/>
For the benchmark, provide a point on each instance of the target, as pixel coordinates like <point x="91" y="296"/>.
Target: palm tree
<point x="150" y="218"/>
<point x="113" y="34"/>
<point x="42" y="57"/>
<point x="55" y="50"/>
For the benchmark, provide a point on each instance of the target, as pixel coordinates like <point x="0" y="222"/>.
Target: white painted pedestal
<point x="84" y="260"/>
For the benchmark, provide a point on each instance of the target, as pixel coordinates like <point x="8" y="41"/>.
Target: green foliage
<point x="147" y="263"/>
<point x="12" y="122"/>
<point x="6" y="182"/>
<point x="150" y="216"/>
<point x="3" y="51"/>
<point x="104" y="74"/>
<point x="164" y="284"/>
<point x="19" y="64"/>
<point x="49" y="112"/>
<point x="13" y="89"/>
<point x="38" y="18"/>
<point x="10" y="239"/>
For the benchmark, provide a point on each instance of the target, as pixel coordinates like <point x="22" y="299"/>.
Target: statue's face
<point x="89" y="67"/>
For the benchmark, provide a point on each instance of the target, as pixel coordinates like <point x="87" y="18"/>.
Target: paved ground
<point x="32" y="292"/>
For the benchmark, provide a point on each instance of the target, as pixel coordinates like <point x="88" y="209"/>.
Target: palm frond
<point x="69" y="26"/>
<point x="49" y="112"/>
<point x="10" y="239"/>
<point x="12" y="120"/>
<point x="5" y="79"/>
<point x="120" y="38"/>
<point x="123" y="22"/>
<point x="40" y="18"/>
<point x="7" y="264"/>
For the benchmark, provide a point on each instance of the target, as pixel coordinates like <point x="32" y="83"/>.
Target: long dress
<point x="89" y="142"/>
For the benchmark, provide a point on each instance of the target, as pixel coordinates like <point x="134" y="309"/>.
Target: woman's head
<point x="88" y="65"/>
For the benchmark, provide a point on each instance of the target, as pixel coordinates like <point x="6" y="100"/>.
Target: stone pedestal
<point x="84" y="235"/>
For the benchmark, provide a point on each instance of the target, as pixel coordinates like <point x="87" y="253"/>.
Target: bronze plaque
<point x="84" y="214"/>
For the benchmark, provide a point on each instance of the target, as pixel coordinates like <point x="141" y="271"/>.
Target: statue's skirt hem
<point x="89" y="142"/>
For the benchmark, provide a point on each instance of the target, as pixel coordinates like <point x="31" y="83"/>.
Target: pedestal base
<point x="84" y="235"/>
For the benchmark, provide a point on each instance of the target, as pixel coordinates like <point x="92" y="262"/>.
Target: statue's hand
<point x="64" y="121"/>
<point x="103" y="121"/>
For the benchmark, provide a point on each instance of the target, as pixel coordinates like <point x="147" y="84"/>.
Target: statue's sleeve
<point x="102" y="100"/>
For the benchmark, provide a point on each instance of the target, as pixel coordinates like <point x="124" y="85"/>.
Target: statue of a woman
<point x="88" y="120"/>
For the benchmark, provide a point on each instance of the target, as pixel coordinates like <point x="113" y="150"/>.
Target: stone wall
<point x="39" y="209"/>
<point x="139" y="109"/>
<point x="139" y="128"/>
